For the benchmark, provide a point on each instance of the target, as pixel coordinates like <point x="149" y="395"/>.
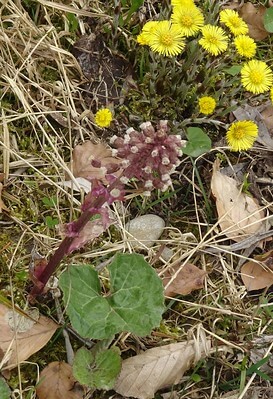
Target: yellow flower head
<point x="271" y="94"/>
<point x="214" y="39"/>
<point x="144" y="36"/>
<point x="167" y="39"/>
<point x="206" y="105"/>
<point x="182" y="3"/>
<point x="234" y="22"/>
<point x="189" y="19"/>
<point x="245" y="46"/>
<point x="241" y="135"/>
<point x="103" y="117"/>
<point x="256" y="76"/>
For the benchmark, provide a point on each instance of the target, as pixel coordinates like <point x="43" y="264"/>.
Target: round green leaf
<point x="135" y="303"/>
<point x="198" y="142"/>
<point x="98" y="371"/>
<point x="4" y="389"/>
<point x="268" y="19"/>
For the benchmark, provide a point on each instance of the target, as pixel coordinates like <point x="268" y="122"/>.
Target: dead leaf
<point x="57" y="382"/>
<point x="257" y="276"/>
<point x="89" y="161"/>
<point x="142" y="375"/>
<point x="239" y="215"/>
<point x="253" y="16"/>
<point x="30" y="337"/>
<point x="188" y="279"/>
<point x="2" y="205"/>
<point x="267" y="116"/>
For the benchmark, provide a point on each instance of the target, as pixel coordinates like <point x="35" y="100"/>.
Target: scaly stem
<point x="62" y="251"/>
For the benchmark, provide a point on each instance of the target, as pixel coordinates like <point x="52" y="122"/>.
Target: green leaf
<point x="4" y="389"/>
<point x="98" y="371"/>
<point x="198" y="142"/>
<point x="234" y="70"/>
<point x="51" y="222"/>
<point x="134" y="7"/>
<point x="268" y="19"/>
<point x="135" y="303"/>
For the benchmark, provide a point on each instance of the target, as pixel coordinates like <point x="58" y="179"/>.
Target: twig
<point x="248" y="242"/>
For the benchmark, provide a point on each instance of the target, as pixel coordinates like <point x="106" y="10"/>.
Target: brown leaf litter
<point x="57" y="382"/>
<point x="239" y="215"/>
<point x="142" y="375"/>
<point x="257" y="274"/>
<point x="22" y="336"/>
<point x="188" y="278"/>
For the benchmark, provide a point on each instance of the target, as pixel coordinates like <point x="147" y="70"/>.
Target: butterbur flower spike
<point x="151" y="155"/>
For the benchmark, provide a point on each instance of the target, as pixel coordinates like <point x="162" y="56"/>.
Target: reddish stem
<point x="63" y="249"/>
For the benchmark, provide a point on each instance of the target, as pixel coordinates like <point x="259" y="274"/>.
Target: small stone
<point x="145" y="229"/>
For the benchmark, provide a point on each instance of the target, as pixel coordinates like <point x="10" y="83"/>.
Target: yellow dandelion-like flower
<point x="234" y="22"/>
<point x="144" y="37"/>
<point x="241" y="135"/>
<point x="103" y="117"/>
<point x="256" y="76"/>
<point x="214" y="39"/>
<point x="206" y="105"/>
<point x="167" y="39"/>
<point x="189" y="19"/>
<point x="183" y="3"/>
<point x="245" y="46"/>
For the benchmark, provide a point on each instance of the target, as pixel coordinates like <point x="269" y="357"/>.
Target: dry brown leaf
<point x="142" y="375"/>
<point x="2" y="205"/>
<point x="239" y="215"/>
<point x="188" y="279"/>
<point x="57" y="382"/>
<point x="31" y="336"/>
<point x="253" y="16"/>
<point x="267" y="116"/>
<point x="88" y="158"/>
<point x="257" y="276"/>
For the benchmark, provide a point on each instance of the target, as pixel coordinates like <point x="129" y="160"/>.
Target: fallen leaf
<point x="57" y="382"/>
<point x="188" y="279"/>
<point x="89" y="161"/>
<point x="257" y="276"/>
<point x="2" y="205"/>
<point x="267" y="116"/>
<point x="239" y="215"/>
<point x="30" y="336"/>
<point x="254" y="17"/>
<point x="142" y="375"/>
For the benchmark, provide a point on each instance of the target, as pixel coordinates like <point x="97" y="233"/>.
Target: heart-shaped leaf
<point x="198" y="142"/>
<point x="268" y="19"/>
<point x="98" y="371"/>
<point x="135" y="303"/>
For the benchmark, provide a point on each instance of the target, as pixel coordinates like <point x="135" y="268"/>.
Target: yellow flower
<point x="144" y="37"/>
<point x="232" y="20"/>
<point x="182" y="3"/>
<point x="166" y="39"/>
<point x="241" y="135"/>
<point x="214" y="39"/>
<point x="103" y="117"/>
<point x="206" y="105"/>
<point x="189" y="19"/>
<point x="256" y="76"/>
<point x="271" y="94"/>
<point x="245" y="46"/>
